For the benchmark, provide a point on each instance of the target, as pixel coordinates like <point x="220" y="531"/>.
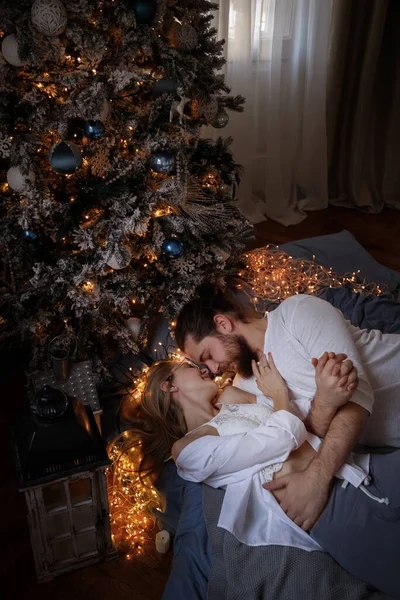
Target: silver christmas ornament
<point x="49" y="17"/>
<point x="221" y="120"/>
<point x="9" y="48"/>
<point x="19" y="181"/>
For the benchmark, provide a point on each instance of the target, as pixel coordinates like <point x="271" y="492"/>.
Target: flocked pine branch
<point x="112" y="206"/>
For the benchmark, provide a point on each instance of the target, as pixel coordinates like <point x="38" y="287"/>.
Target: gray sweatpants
<point x="361" y="534"/>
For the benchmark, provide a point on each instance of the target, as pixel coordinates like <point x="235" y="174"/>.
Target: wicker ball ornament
<point x="205" y="108"/>
<point x="49" y="17"/>
<point x="210" y="109"/>
<point x="183" y="37"/>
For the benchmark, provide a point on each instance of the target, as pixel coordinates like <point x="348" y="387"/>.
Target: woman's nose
<point x="205" y="373"/>
<point x="213" y="366"/>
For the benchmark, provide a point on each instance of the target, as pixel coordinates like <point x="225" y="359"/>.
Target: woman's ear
<point x="167" y="387"/>
<point x="223" y="324"/>
<point x="164" y="387"/>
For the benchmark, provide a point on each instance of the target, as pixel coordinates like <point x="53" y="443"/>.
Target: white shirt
<point x="238" y="459"/>
<point x="303" y="327"/>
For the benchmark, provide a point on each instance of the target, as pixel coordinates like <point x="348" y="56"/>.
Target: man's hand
<point x="302" y="496"/>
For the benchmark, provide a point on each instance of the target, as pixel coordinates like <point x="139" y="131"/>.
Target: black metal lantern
<point x="61" y="461"/>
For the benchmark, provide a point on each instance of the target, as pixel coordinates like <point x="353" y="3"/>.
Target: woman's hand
<point x="270" y="382"/>
<point x="336" y="378"/>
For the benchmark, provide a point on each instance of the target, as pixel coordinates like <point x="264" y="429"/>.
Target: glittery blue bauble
<point x="173" y="247"/>
<point x="65" y="157"/>
<point x="30" y="235"/>
<point x="166" y="85"/>
<point x="145" y="11"/>
<point x="162" y="162"/>
<point x="94" y="130"/>
<point x="221" y="119"/>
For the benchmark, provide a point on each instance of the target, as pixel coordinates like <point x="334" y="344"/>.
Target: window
<point x="266" y="24"/>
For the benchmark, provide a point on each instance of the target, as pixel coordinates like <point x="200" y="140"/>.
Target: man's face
<point x="221" y="353"/>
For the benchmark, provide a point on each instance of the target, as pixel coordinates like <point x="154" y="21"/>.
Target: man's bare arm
<point x="342" y="435"/>
<point x="307" y="492"/>
<point x="320" y="417"/>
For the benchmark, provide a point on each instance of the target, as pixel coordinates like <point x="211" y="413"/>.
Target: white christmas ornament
<point x="9" y="48"/>
<point x="49" y="16"/>
<point x="134" y="324"/>
<point x="17" y="180"/>
<point x="118" y="257"/>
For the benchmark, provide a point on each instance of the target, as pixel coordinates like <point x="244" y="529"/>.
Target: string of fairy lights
<point x="271" y="275"/>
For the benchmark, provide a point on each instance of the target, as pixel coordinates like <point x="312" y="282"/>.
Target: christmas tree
<point x="113" y="208"/>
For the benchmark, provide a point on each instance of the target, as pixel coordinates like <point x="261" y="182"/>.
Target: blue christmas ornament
<point x="162" y="162"/>
<point x="65" y="157"/>
<point x="30" y="235"/>
<point x="173" y="247"/>
<point x="94" y="130"/>
<point x="145" y="11"/>
<point x="166" y="85"/>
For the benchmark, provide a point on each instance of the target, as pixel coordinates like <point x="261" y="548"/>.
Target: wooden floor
<point x="379" y="234"/>
<point x="143" y="578"/>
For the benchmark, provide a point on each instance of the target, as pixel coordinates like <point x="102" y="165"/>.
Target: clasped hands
<point x="304" y="494"/>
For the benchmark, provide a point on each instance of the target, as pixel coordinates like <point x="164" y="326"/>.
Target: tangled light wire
<point x="272" y="275"/>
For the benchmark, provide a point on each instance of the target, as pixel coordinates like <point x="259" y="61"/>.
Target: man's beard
<point x="239" y="354"/>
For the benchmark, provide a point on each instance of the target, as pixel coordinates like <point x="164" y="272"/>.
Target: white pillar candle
<point x="162" y="541"/>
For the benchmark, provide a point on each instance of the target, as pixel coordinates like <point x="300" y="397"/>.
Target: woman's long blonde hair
<point x="154" y="424"/>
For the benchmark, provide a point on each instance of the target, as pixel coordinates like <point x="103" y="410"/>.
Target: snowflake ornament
<point x="5" y="145"/>
<point x="101" y="162"/>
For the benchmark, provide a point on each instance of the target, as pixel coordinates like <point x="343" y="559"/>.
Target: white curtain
<point x="277" y="55"/>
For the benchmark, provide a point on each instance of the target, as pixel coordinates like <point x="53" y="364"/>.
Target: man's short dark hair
<point x="196" y="318"/>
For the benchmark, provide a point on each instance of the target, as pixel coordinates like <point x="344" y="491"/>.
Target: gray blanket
<point x="241" y="572"/>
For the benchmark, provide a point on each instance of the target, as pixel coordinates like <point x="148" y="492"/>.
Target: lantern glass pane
<point x="58" y="525"/>
<point x="83" y="517"/>
<point x="54" y="497"/>
<point x="80" y="490"/>
<point x="86" y="542"/>
<point x="62" y="549"/>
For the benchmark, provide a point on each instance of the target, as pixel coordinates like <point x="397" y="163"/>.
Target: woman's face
<point x="189" y="380"/>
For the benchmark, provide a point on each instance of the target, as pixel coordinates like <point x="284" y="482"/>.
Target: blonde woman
<point x="235" y="441"/>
